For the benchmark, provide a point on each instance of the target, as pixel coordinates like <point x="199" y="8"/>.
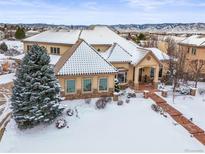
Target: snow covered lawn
<point x="191" y="106"/>
<point x="18" y="45"/>
<point x="7" y="78"/>
<point x="132" y="127"/>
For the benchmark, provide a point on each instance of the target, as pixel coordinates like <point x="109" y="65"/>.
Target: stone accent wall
<point x="94" y="94"/>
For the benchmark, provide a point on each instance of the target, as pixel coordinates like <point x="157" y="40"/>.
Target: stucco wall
<point x="127" y="66"/>
<point x="48" y="46"/>
<point x="79" y="82"/>
<point x="200" y="54"/>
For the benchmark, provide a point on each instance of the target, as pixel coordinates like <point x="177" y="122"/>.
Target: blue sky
<point x="88" y="12"/>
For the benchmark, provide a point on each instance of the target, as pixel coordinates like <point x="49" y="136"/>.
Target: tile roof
<point x="159" y="54"/>
<point x="63" y="37"/>
<point x="117" y="54"/>
<point x="83" y="59"/>
<point x="195" y="40"/>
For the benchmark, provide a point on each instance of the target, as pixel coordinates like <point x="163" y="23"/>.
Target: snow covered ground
<point x="6" y="78"/>
<point x="132" y="127"/>
<point x="18" y="45"/>
<point x="191" y="106"/>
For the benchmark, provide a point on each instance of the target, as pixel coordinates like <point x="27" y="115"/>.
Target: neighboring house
<point x="194" y="46"/>
<point x="2" y="36"/>
<point x="32" y="33"/>
<point x="135" y="65"/>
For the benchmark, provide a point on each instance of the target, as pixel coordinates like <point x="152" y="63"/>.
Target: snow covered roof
<point x="159" y="54"/>
<point x="104" y="35"/>
<point x="83" y="59"/>
<point x="68" y="37"/>
<point x="53" y="58"/>
<point x="117" y="54"/>
<point x="196" y="40"/>
<point x="99" y="35"/>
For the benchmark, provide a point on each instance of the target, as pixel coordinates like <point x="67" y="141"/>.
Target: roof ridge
<point x="100" y="55"/>
<point x="124" y="49"/>
<point x="66" y="56"/>
<point x="111" y="50"/>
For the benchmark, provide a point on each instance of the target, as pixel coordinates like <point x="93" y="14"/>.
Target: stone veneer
<point x="94" y="94"/>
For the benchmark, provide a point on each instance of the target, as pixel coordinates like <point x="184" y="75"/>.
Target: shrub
<point x="201" y="91"/>
<point x="127" y="101"/>
<point x="155" y="108"/>
<point x="61" y="123"/>
<point x="100" y="104"/>
<point x="108" y="99"/>
<point x="87" y="101"/>
<point x="131" y="95"/>
<point x="70" y="112"/>
<point x="120" y="102"/>
<point x="3" y="47"/>
<point x="12" y="52"/>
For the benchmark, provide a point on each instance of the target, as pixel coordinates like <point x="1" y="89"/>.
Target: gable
<point x="85" y="60"/>
<point x="149" y="60"/>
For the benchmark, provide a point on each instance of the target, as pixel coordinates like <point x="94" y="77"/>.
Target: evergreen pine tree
<point x="3" y="47"/>
<point x="20" y="33"/>
<point x="117" y="87"/>
<point x="36" y="93"/>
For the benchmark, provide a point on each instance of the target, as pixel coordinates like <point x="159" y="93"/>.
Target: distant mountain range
<point x="165" y="27"/>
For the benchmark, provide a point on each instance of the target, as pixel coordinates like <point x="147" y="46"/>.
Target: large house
<point x="194" y="46"/>
<point x="90" y="60"/>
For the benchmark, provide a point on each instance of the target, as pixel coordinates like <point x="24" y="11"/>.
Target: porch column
<point x="156" y="76"/>
<point x="136" y="79"/>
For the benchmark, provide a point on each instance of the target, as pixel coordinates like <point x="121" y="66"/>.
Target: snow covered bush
<point x="117" y="87"/>
<point x="201" y="91"/>
<point x="70" y="112"/>
<point x="61" y="123"/>
<point x="127" y="101"/>
<point x="155" y="108"/>
<point x="100" y="104"/>
<point x="184" y="90"/>
<point x="12" y="52"/>
<point x="107" y="99"/>
<point x="3" y="47"/>
<point x="36" y="92"/>
<point x="120" y="102"/>
<point x="131" y="95"/>
<point x="87" y="101"/>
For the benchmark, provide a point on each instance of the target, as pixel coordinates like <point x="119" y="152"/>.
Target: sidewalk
<point x="193" y="129"/>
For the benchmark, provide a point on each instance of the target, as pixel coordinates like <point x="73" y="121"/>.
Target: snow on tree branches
<point x="36" y="93"/>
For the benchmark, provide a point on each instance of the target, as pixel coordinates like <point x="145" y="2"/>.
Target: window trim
<point x="66" y="87"/>
<point x="82" y="85"/>
<point x="125" y="79"/>
<point x="55" y="50"/>
<point x="99" y="84"/>
<point x="193" y="51"/>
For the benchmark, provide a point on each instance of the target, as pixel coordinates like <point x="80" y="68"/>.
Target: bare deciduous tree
<point x="196" y="67"/>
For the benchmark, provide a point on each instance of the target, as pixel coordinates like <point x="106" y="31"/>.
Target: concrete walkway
<point x="192" y="128"/>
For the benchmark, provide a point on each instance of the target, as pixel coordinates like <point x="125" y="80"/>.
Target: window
<point x="193" y="51"/>
<point x="55" y="50"/>
<point x="160" y="72"/>
<point x="152" y="72"/>
<point x="70" y="86"/>
<point x="29" y="47"/>
<point x="87" y="85"/>
<point x="103" y="84"/>
<point x="122" y="77"/>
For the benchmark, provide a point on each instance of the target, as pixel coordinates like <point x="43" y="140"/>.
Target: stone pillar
<point x="156" y="76"/>
<point x="136" y="79"/>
